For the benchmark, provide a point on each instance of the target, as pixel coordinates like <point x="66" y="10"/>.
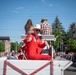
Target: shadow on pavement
<point x="74" y="65"/>
<point x="72" y="68"/>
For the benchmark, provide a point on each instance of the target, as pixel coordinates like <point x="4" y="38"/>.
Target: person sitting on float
<point x="35" y="45"/>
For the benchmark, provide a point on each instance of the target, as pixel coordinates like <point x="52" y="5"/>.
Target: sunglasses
<point x="37" y="30"/>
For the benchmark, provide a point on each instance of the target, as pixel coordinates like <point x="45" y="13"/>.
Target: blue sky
<point x="15" y="13"/>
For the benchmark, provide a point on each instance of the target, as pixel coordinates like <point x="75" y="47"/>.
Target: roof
<point x="47" y="37"/>
<point x="4" y="38"/>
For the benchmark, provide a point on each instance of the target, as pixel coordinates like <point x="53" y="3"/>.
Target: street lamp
<point x="61" y="45"/>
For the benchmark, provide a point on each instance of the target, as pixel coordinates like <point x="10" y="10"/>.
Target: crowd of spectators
<point x="15" y="55"/>
<point x="68" y="56"/>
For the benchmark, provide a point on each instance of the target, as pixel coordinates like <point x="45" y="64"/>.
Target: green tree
<point x="71" y="43"/>
<point x="57" y="26"/>
<point x="15" y="46"/>
<point x="57" y="30"/>
<point x="72" y="30"/>
<point x="2" y="47"/>
<point x="12" y="46"/>
<point x="20" y="44"/>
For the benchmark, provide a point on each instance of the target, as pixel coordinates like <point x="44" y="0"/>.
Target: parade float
<point x="34" y="67"/>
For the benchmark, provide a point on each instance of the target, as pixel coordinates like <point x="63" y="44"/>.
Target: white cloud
<point x="18" y="10"/>
<point x="43" y="1"/>
<point x="50" y="5"/>
<point x="15" y="11"/>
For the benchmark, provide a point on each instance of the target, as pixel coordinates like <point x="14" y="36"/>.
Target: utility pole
<point x="61" y="45"/>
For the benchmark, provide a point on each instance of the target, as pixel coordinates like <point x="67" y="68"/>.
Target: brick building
<point x="6" y="41"/>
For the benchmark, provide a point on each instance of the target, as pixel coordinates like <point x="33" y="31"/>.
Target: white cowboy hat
<point x="37" y="26"/>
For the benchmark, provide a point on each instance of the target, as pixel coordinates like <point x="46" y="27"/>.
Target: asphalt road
<point x="71" y="70"/>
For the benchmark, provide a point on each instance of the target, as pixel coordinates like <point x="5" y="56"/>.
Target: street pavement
<point x="71" y="70"/>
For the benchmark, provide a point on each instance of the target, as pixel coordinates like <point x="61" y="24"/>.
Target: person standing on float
<point x="46" y="27"/>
